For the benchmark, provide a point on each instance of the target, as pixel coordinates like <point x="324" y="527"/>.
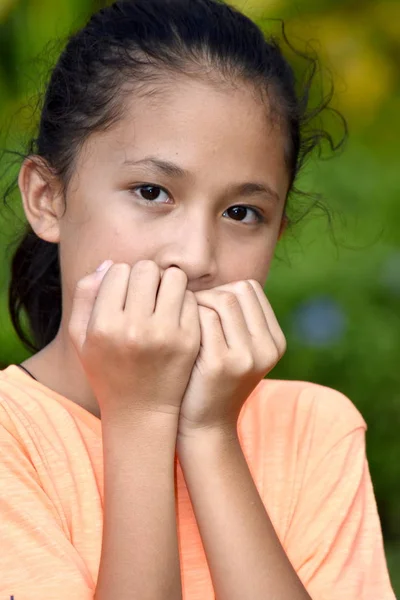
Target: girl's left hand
<point x="241" y="342"/>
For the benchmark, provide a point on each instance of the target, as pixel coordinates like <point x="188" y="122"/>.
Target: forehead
<point x="200" y="126"/>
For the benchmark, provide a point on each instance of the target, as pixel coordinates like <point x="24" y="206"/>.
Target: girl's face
<point x="193" y="177"/>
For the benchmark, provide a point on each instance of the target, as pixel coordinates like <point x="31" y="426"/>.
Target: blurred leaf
<point x="258" y="8"/>
<point x="364" y="77"/>
<point x="385" y="15"/>
<point x="5" y="7"/>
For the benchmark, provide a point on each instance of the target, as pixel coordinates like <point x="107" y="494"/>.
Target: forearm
<point x="139" y="558"/>
<point x="246" y="559"/>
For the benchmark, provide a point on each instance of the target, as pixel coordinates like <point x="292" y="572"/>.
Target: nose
<point x="191" y="246"/>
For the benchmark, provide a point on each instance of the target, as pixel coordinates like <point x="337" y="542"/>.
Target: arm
<point x="139" y="558"/>
<point x="246" y="559"/>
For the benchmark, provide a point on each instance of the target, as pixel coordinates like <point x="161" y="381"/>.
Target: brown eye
<point x="238" y="213"/>
<point x="150" y="193"/>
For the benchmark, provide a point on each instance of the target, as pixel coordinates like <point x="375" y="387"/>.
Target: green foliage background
<point x="358" y="269"/>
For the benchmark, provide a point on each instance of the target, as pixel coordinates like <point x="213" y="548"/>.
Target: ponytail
<point x="35" y="288"/>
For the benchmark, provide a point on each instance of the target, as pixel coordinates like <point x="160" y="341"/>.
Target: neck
<point x="58" y="367"/>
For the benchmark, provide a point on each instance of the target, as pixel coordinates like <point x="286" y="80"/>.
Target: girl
<point x="143" y="455"/>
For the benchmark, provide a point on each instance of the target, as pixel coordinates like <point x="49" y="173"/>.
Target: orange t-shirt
<point x="305" y="447"/>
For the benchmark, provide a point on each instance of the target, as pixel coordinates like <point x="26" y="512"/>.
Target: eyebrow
<point x="171" y="169"/>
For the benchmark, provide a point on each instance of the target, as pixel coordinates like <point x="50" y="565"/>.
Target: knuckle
<point x="135" y="339"/>
<point x="142" y="340"/>
<point x="229" y="299"/>
<point x="244" y="287"/>
<point x="210" y="314"/>
<point x="254" y="284"/>
<point x="244" y="364"/>
<point x="142" y="266"/>
<point x="98" y="333"/>
<point x="167" y="343"/>
<point x="162" y="341"/>
<point x="216" y="369"/>
<point x="84" y="284"/>
<point x="177" y="272"/>
<point x="273" y="355"/>
<point x="282" y="344"/>
<point x="263" y="365"/>
<point x="120" y="267"/>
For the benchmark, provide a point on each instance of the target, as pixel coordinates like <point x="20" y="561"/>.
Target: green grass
<point x="393" y="560"/>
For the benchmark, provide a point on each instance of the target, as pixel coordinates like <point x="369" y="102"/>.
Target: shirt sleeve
<point x="335" y="540"/>
<point x="37" y="560"/>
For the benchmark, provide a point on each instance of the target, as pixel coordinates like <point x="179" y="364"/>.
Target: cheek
<point x="250" y="263"/>
<point x="84" y="246"/>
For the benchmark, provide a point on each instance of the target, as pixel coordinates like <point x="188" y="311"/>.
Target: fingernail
<point x="104" y="265"/>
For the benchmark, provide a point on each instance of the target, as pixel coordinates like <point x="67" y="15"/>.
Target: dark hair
<point x="129" y="46"/>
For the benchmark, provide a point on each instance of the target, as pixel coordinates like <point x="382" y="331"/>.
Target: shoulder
<point x="23" y="406"/>
<point x="304" y="399"/>
<point x="299" y="410"/>
<point x="39" y="418"/>
<point x="45" y="434"/>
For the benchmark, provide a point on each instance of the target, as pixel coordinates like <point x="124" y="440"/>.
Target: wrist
<point x="137" y="417"/>
<point x="207" y="439"/>
<point x="152" y="432"/>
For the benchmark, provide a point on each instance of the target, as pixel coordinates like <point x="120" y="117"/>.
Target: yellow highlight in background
<point x="5" y="7"/>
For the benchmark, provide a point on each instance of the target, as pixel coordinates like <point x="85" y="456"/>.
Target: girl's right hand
<point x="137" y="347"/>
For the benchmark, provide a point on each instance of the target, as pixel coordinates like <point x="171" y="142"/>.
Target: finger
<point x="227" y="305"/>
<point x="83" y="302"/>
<point x="111" y="296"/>
<point x="144" y="281"/>
<point x="252" y="310"/>
<point x="171" y="295"/>
<point x="212" y="336"/>
<point x="190" y="320"/>
<point x="269" y="319"/>
<point x="274" y="327"/>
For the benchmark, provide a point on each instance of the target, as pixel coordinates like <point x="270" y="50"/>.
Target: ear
<point x="283" y="226"/>
<point x="41" y="201"/>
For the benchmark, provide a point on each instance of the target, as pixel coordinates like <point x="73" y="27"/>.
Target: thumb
<point x="82" y="305"/>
